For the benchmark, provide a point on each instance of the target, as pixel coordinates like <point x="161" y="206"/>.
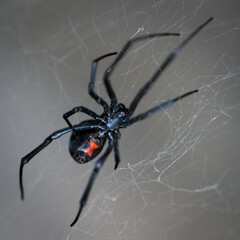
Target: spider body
<point x="116" y="116"/>
<point x="89" y="137"/>
<point x="85" y="145"/>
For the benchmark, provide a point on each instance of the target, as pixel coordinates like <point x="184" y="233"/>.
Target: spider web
<point x="179" y="171"/>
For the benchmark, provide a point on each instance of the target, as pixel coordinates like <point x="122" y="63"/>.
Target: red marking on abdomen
<point x="90" y="149"/>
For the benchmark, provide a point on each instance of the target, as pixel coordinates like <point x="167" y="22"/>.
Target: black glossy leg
<point x="29" y="156"/>
<point x="80" y="109"/>
<point x="98" y="99"/>
<point x="114" y="137"/>
<point x="160" y="70"/>
<point x="92" y="178"/>
<point x="117" y="156"/>
<point x="121" y="54"/>
<point x="46" y="142"/>
<point x="151" y="111"/>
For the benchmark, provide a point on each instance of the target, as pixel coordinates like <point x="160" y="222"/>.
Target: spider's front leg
<point x="119" y="57"/>
<point x="91" y="92"/>
<point x="162" y="68"/>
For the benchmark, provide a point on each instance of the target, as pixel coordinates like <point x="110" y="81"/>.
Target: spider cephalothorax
<point x="116" y="116"/>
<point x="88" y="137"/>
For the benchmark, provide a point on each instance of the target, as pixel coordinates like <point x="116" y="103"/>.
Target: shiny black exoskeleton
<point x="85" y="145"/>
<point x="88" y="138"/>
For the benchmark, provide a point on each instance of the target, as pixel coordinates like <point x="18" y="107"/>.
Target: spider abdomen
<point x="85" y="145"/>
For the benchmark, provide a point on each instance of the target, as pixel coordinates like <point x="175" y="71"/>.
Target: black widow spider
<point x="88" y="137"/>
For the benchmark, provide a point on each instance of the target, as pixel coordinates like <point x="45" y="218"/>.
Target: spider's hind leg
<point x="80" y="109"/>
<point x="29" y="156"/>
<point x="91" y="180"/>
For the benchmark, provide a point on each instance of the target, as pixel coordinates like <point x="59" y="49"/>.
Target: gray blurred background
<point x="179" y="172"/>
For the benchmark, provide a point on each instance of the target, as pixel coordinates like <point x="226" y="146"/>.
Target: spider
<point x="89" y="137"/>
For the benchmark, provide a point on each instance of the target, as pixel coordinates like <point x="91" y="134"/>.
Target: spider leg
<point x="98" y="99"/>
<point x="30" y="155"/>
<point x="114" y="137"/>
<point x="160" y="107"/>
<point x="92" y="178"/>
<point x="46" y="142"/>
<point x="121" y="54"/>
<point x="80" y="109"/>
<point x="161" y="69"/>
<point x="117" y="156"/>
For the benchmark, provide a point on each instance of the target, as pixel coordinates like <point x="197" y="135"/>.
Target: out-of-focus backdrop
<point x="179" y="172"/>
